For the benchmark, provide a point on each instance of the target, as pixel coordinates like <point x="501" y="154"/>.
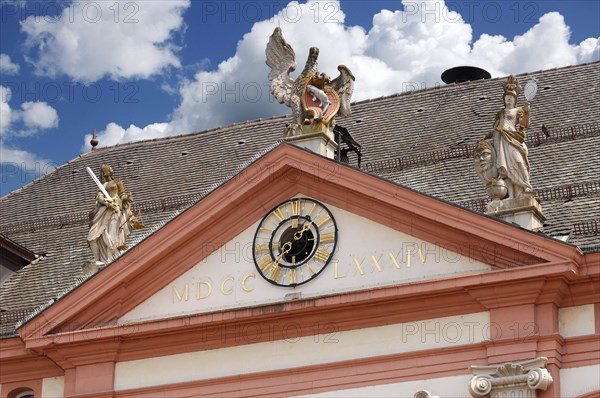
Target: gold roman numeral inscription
<point x="328" y="237"/>
<point x="359" y="265"/>
<point x="279" y="214"/>
<point x="376" y="262"/>
<point x="275" y="272"/>
<point x="293" y="276"/>
<point x="322" y="254"/>
<point x="296" y="206"/>
<point x="323" y="220"/>
<point x="263" y="247"/>
<point x="264" y="263"/>
<point x="395" y="259"/>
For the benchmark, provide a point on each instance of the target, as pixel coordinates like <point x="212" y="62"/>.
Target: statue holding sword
<point x="111" y="220"/>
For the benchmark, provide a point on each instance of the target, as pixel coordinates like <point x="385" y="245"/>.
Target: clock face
<point x="294" y="242"/>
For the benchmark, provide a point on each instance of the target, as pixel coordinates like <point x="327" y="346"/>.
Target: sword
<point x="97" y="181"/>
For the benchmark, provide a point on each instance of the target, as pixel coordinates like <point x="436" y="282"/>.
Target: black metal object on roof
<point x="346" y="144"/>
<point x="461" y="74"/>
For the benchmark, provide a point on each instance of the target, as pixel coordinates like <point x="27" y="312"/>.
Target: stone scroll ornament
<point x="314" y="98"/>
<point x="519" y="379"/>
<point x="112" y="219"/>
<point x="501" y="156"/>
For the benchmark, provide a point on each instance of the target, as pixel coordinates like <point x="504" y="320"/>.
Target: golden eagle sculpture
<point x="314" y="98"/>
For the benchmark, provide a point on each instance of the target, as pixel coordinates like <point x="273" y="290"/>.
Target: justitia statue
<point x="503" y="164"/>
<point x="112" y="220"/>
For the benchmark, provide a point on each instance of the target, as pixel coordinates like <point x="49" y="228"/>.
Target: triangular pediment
<point x="366" y="255"/>
<point x="381" y="228"/>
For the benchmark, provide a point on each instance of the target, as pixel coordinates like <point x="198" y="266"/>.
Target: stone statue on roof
<point x="508" y="143"/>
<point x="112" y="219"/>
<point x="315" y="99"/>
<point x="502" y="162"/>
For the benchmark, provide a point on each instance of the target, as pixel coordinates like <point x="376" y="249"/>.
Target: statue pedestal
<point x="317" y="138"/>
<point x="524" y="211"/>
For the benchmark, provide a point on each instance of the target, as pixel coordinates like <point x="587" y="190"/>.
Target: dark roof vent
<point x="461" y="74"/>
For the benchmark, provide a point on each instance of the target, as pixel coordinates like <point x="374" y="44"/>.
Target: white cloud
<point x="122" y="40"/>
<point x="33" y="116"/>
<point x="589" y="50"/>
<point x="544" y="46"/>
<point x="37" y="116"/>
<point x="417" y="44"/>
<point x="114" y="134"/>
<point x="8" y="154"/>
<point x="6" y="114"/>
<point x="402" y="48"/>
<point x="7" y="66"/>
<point x="20" y="158"/>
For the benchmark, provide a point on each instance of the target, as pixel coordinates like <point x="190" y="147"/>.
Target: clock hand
<point x="299" y="233"/>
<point x="286" y="249"/>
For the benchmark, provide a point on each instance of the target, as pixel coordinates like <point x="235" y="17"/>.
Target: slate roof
<point x="422" y="139"/>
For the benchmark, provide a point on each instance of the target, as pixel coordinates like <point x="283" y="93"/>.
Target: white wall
<point x="53" y="387"/>
<point x="578" y="381"/>
<point x="455" y="386"/>
<point x="576" y="321"/>
<point x="326" y="347"/>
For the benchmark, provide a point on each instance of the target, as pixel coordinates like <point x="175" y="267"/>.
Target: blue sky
<point x="148" y="68"/>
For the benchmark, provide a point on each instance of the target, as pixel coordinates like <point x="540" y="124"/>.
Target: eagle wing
<point x="344" y="85"/>
<point x="282" y="60"/>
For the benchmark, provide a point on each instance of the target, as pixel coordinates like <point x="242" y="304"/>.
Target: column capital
<point x="522" y="378"/>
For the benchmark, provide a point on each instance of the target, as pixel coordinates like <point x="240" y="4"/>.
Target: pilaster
<point x="95" y="380"/>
